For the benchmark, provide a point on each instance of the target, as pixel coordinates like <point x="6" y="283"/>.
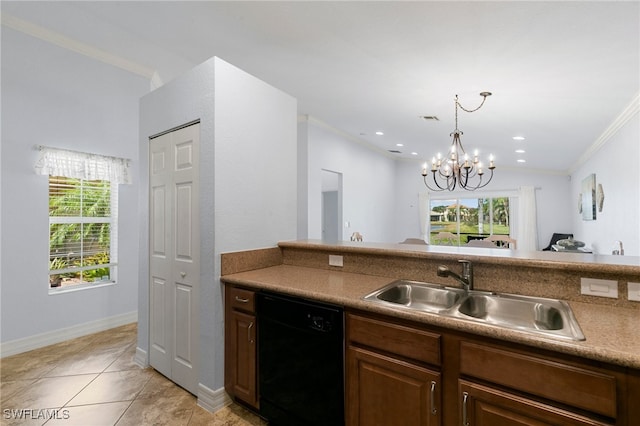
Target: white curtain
<point x="80" y="165"/>
<point x="527" y="221"/>
<point x="424" y="210"/>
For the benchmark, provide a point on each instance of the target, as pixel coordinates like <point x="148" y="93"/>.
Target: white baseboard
<point x="141" y="358"/>
<point x="36" y="341"/>
<point x="212" y="400"/>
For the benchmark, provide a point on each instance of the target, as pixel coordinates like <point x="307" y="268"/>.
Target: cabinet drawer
<point x="485" y="406"/>
<point x="394" y="338"/>
<point x="556" y="381"/>
<point x="241" y="299"/>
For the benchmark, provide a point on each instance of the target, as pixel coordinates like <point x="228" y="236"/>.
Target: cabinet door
<point x="243" y="352"/>
<point x="382" y="390"/>
<point x="485" y="406"/>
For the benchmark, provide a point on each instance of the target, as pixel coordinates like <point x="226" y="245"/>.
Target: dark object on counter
<point x="555" y="238"/>
<point x="300" y="361"/>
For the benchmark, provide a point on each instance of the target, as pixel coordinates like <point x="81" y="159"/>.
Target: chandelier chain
<point x="458" y="104"/>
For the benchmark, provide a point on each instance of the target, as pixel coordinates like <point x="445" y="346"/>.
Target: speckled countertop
<point x="611" y="332"/>
<point x="540" y="259"/>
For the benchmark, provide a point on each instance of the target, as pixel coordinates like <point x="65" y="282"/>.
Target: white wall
<point x="616" y="166"/>
<point x="247" y="181"/>
<point x="367" y="183"/>
<point x="380" y="193"/>
<point x="58" y="98"/>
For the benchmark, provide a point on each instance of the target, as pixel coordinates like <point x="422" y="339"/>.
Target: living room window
<point x="469" y="218"/>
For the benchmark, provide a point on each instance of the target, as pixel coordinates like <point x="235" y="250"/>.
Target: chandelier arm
<point x="466" y="179"/>
<point x="436" y="182"/>
<point x="480" y="184"/>
<point x="485" y="184"/>
<point x="445" y="178"/>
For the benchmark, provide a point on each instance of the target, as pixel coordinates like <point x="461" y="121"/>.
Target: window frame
<point x="112" y="220"/>
<point x="455" y="198"/>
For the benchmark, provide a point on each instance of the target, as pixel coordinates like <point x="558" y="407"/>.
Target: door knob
<point x="183" y="274"/>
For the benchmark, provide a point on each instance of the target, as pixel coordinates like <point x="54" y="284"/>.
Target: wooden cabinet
<point x="400" y="372"/>
<point x="240" y="373"/>
<point x="562" y="383"/>
<point x="387" y="391"/>
<point x="392" y="375"/>
<point x="489" y="406"/>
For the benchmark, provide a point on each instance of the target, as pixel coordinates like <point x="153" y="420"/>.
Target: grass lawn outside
<point x="466" y="229"/>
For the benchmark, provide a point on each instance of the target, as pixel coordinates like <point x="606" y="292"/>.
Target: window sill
<point x="79" y="287"/>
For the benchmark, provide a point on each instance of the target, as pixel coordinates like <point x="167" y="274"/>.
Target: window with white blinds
<point x="82" y="231"/>
<point x="83" y="215"/>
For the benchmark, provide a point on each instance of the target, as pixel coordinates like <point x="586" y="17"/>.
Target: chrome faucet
<point x="467" y="274"/>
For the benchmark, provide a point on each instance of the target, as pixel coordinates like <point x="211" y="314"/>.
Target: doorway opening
<point x="331" y="206"/>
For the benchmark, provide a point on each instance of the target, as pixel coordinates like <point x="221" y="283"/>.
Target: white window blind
<point x="83" y="201"/>
<point x="81" y="231"/>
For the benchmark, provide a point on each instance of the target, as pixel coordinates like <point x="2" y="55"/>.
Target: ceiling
<point x="560" y="72"/>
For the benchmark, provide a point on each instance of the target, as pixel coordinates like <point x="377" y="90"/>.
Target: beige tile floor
<point x="93" y="381"/>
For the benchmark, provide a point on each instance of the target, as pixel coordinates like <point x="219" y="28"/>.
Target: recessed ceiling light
<point x="518" y="138"/>
<point x="520" y="160"/>
<point x="414" y="153"/>
<point x="379" y="133"/>
<point x="520" y="151"/>
<point x="399" y="144"/>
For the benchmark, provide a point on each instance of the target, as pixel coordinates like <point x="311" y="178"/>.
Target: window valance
<point x="81" y="165"/>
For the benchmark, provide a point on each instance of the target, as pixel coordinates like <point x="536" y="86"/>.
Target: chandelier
<point x="457" y="168"/>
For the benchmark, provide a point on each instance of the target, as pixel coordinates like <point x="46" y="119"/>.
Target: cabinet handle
<point x="249" y="332"/>
<point x="241" y="300"/>
<point x="465" y="397"/>
<point x="433" y="398"/>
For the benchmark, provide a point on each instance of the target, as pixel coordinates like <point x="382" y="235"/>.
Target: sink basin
<point x="417" y="296"/>
<point x="534" y="314"/>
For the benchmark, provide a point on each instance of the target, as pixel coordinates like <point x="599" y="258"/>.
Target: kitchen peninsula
<point x="601" y="374"/>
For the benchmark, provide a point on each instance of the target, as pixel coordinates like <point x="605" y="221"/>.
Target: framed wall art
<point x="589" y="204"/>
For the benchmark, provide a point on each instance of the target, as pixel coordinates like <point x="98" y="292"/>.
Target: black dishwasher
<point x="300" y="361"/>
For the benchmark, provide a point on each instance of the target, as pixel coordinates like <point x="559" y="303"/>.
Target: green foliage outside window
<point x="79" y="230"/>
<point x="470" y="218"/>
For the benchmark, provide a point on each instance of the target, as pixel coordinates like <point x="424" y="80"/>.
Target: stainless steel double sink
<point x="535" y="315"/>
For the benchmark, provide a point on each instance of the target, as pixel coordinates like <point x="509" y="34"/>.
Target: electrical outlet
<point x="634" y="291"/>
<point x="600" y="288"/>
<point x="335" y="260"/>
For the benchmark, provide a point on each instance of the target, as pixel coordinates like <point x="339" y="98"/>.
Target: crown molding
<point x="76" y="46"/>
<point x="629" y="112"/>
